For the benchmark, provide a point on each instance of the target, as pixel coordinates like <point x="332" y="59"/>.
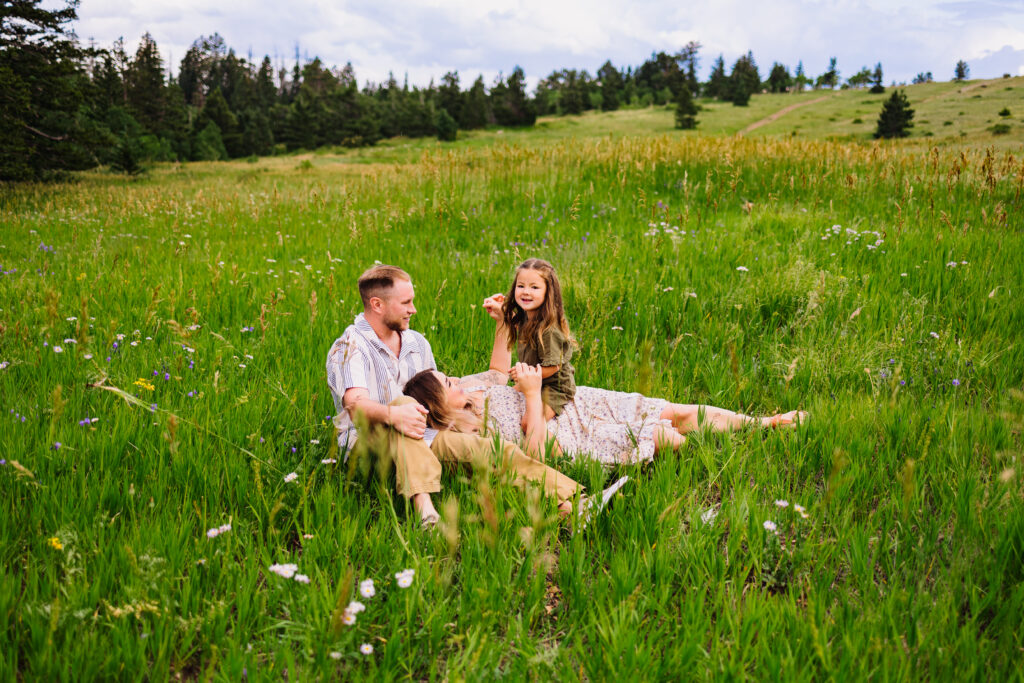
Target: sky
<point x="424" y="40"/>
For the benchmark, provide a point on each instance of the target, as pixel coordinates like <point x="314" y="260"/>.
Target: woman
<point x="610" y="426"/>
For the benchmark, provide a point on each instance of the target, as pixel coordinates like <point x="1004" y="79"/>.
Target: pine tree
<point x="447" y="128"/>
<point x="800" y="79"/>
<point x="962" y="71"/>
<point x="686" y="110"/>
<point x="718" y="83"/>
<point x="895" y="119"/>
<point x="876" y="79"/>
<point x="744" y="80"/>
<point x="449" y="96"/>
<point x="779" y="79"/>
<point x="611" y="86"/>
<point x="145" y="87"/>
<point x="42" y="88"/>
<point x="474" y="110"/>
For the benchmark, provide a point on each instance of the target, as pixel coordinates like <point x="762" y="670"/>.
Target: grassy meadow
<point x="165" y="435"/>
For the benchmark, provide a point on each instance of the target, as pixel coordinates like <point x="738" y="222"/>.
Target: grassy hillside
<point x="162" y="345"/>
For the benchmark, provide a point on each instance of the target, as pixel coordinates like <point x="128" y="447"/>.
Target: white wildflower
<point x="782" y="503"/>
<point x="57" y="349"/>
<point x="769" y="525"/>
<point x="367" y="589"/>
<point x="742" y="269"/>
<point x="366" y="649"/>
<point x="335" y="655"/>
<point x="290" y="477"/>
<point x="286" y="571"/>
<point x="404" y="577"/>
<point x="302" y="578"/>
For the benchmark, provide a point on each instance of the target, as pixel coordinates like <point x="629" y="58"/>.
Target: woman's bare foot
<point x="789" y="420"/>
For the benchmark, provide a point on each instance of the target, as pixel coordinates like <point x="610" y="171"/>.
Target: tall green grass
<point x="874" y="286"/>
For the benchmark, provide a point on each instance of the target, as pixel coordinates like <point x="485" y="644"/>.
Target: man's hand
<point x="493" y="305"/>
<point x="410" y="419"/>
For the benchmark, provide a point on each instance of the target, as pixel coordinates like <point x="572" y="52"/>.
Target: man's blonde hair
<point x="378" y="281"/>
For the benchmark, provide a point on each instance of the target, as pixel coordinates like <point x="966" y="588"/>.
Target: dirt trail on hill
<point x="780" y="113"/>
<point x="961" y="91"/>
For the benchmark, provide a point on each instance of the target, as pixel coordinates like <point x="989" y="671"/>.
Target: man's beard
<point x="396" y="324"/>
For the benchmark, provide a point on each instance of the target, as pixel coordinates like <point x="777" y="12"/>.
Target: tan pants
<point x="418" y="467"/>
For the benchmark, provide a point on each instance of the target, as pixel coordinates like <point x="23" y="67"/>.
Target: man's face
<point x="398" y="307"/>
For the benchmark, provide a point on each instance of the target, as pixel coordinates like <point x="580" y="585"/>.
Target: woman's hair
<point x="551" y="313"/>
<point x="432" y="394"/>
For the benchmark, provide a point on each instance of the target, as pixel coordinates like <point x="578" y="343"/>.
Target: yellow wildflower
<point x="55" y="543"/>
<point x="144" y="383"/>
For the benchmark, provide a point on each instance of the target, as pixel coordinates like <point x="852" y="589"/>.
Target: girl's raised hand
<point x="528" y="378"/>
<point x="493" y="304"/>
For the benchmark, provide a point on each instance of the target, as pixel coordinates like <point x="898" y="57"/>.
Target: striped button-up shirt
<point x="359" y="359"/>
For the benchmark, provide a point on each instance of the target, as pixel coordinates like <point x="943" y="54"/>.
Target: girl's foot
<point x="788" y="420"/>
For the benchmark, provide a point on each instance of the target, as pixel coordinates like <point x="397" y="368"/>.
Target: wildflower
<point x="769" y="525"/>
<point x="667" y="289"/>
<point x="335" y="655"/>
<point x="951" y="264"/>
<point x="708" y="516"/>
<point x="307" y="536"/>
<point x="224" y="528"/>
<point x="366" y="649"/>
<point x="742" y="269"/>
<point x="355" y="607"/>
<point x="903" y="275"/>
<point x="956" y="383"/>
<point x="290" y="477"/>
<point x="153" y="407"/>
<point x="934" y="334"/>
<point x="55" y="543"/>
<point x="57" y="349"/>
<point x="56" y="444"/>
<point x="800" y="508"/>
<point x="782" y="503"/>
<point x="286" y="571"/>
<point x="348" y="618"/>
<point x="213" y="533"/>
<point x="616" y="327"/>
<point x="302" y="578"/>
<point x="87" y="356"/>
<point x="144" y="383"/>
<point x="70" y="341"/>
<point x="367" y="589"/>
<point x="328" y="461"/>
<point x="4" y="364"/>
<point x="404" y="577"/>
<point x="201" y="561"/>
<point x="314" y="441"/>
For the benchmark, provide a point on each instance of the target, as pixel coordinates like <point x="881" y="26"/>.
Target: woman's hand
<point x="493" y="305"/>
<point x="528" y="378"/>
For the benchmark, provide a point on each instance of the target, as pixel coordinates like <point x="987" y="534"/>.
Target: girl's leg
<point x="686" y="418"/>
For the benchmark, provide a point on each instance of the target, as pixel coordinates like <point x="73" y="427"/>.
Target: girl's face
<point x="456" y="396"/>
<point x="530" y="290"/>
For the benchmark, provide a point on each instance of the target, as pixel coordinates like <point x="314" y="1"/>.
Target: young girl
<point x="535" y="319"/>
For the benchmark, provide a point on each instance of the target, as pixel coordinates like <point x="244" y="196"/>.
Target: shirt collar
<point x="363" y="325"/>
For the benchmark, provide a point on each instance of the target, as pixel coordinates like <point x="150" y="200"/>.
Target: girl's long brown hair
<point x="432" y="394"/>
<point x="552" y="311"/>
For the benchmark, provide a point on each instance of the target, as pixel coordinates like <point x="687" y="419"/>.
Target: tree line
<point x="68" y="107"/>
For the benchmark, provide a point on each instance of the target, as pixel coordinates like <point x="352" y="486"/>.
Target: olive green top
<point x="559" y="388"/>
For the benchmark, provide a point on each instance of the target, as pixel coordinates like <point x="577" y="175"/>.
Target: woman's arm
<point x="528" y="381"/>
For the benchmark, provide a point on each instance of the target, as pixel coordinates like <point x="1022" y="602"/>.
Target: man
<point x="366" y="369"/>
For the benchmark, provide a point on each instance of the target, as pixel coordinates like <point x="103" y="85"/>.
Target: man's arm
<point x="409" y="419"/>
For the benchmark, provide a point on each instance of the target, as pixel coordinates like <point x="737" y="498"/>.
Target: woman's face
<point x="456" y="396"/>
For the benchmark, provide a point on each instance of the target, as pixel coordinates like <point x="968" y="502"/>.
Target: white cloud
<point x="427" y="39"/>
